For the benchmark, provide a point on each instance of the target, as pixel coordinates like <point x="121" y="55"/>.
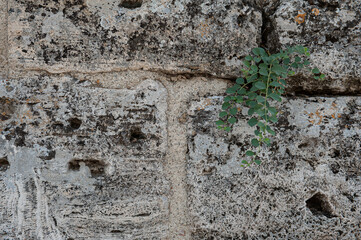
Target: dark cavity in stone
<point x="131" y="4"/>
<point x="136" y="134"/>
<point x="97" y="167"/>
<point x="319" y="205"/>
<point x="4" y="164"/>
<point x="74" y="123"/>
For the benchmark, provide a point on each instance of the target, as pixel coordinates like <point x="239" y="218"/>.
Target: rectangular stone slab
<point x="307" y="187"/>
<point x="78" y="161"/>
<point x="92" y="35"/>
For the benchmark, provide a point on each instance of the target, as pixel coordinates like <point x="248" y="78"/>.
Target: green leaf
<point x="233" y="111"/>
<point x="252" y="95"/>
<point x="241" y="91"/>
<point x="257" y="59"/>
<point x="232" y="120"/>
<point x="306" y="62"/>
<point x="260" y="112"/>
<point x="254" y="68"/>
<point x="255" y="142"/>
<point x="283" y="82"/>
<point x="251" y="103"/>
<point x="297" y="59"/>
<point x="227" y="129"/>
<point x="239" y="99"/>
<point x="263" y="72"/>
<point x="270" y="131"/>
<point x="276" y="84"/>
<point x="263" y="65"/>
<point x="252" y="122"/>
<point x="252" y="78"/>
<point x="240" y="80"/>
<point x="286" y="61"/>
<point x="223" y="114"/>
<point x="257" y="132"/>
<point x="220" y="122"/>
<point x="322" y="76"/>
<point x="294" y="65"/>
<point x="273" y="118"/>
<point x="278" y="69"/>
<point x="225" y="105"/>
<point x="259" y="51"/>
<point x="272" y="110"/>
<point x="260" y="85"/>
<point x="260" y="99"/>
<point x="248" y="64"/>
<point x="261" y="125"/>
<point x="257" y="161"/>
<point x="267" y="141"/>
<point x="248" y="58"/>
<point x="244" y="162"/>
<point x="231" y="90"/>
<point x="315" y="71"/>
<point x="276" y="97"/>
<point x="249" y="153"/>
<point x="251" y="111"/>
<point x="227" y="99"/>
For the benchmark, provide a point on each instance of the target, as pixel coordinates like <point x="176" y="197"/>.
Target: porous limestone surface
<point x="3" y="38"/>
<point x="82" y="162"/>
<point x="331" y="30"/>
<point x="92" y="35"/>
<point x="307" y="187"/>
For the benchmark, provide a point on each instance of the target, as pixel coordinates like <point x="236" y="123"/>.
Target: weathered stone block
<point x="331" y="30"/>
<point x="183" y="36"/>
<point x="308" y="186"/>
<point x="82" y="162"/>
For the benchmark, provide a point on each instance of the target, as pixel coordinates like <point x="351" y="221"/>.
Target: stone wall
<point x="107" y="113"/>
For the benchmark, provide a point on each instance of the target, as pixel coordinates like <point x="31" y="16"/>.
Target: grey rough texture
<point x="315" y="155"/>
<point x="190" y="36"/>
<point x="3" y="38"/>
<point x="82" y="166"/>
<point x="333" y="36"/>
<point x="107" y="113"/>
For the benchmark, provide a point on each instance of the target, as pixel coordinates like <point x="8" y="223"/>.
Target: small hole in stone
<point x="131" y="4"/>
<point x="4" y="164"/>
<point x="319" y="205"/>
<point x="335" y="168"/>
<point x="97" y="167"/>
<point x="136" y="134"/>
<point x="75" y="123"/>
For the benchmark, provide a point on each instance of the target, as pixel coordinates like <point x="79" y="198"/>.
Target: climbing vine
<point x="262" y="82"/>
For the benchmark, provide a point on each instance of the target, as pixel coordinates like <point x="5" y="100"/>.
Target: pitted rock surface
<point x="80" y="165"/>
<point x="3" y="38"/>
<point x="189" y="36"/>
<point x="307" y="187"/>
<point x="332" y="31"/>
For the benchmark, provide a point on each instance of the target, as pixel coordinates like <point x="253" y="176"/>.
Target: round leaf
<point x="255" y="142"/>
<point x="250" y="153"/>
<point x="223" y="114"/>
<point x="232" y="120"/>
<point x="252" y="122"/>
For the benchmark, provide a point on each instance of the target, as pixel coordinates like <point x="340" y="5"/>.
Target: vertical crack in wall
<point x="269" y="38"/>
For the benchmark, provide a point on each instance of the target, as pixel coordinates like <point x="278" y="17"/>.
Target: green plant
<point x="263" y="81"/>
